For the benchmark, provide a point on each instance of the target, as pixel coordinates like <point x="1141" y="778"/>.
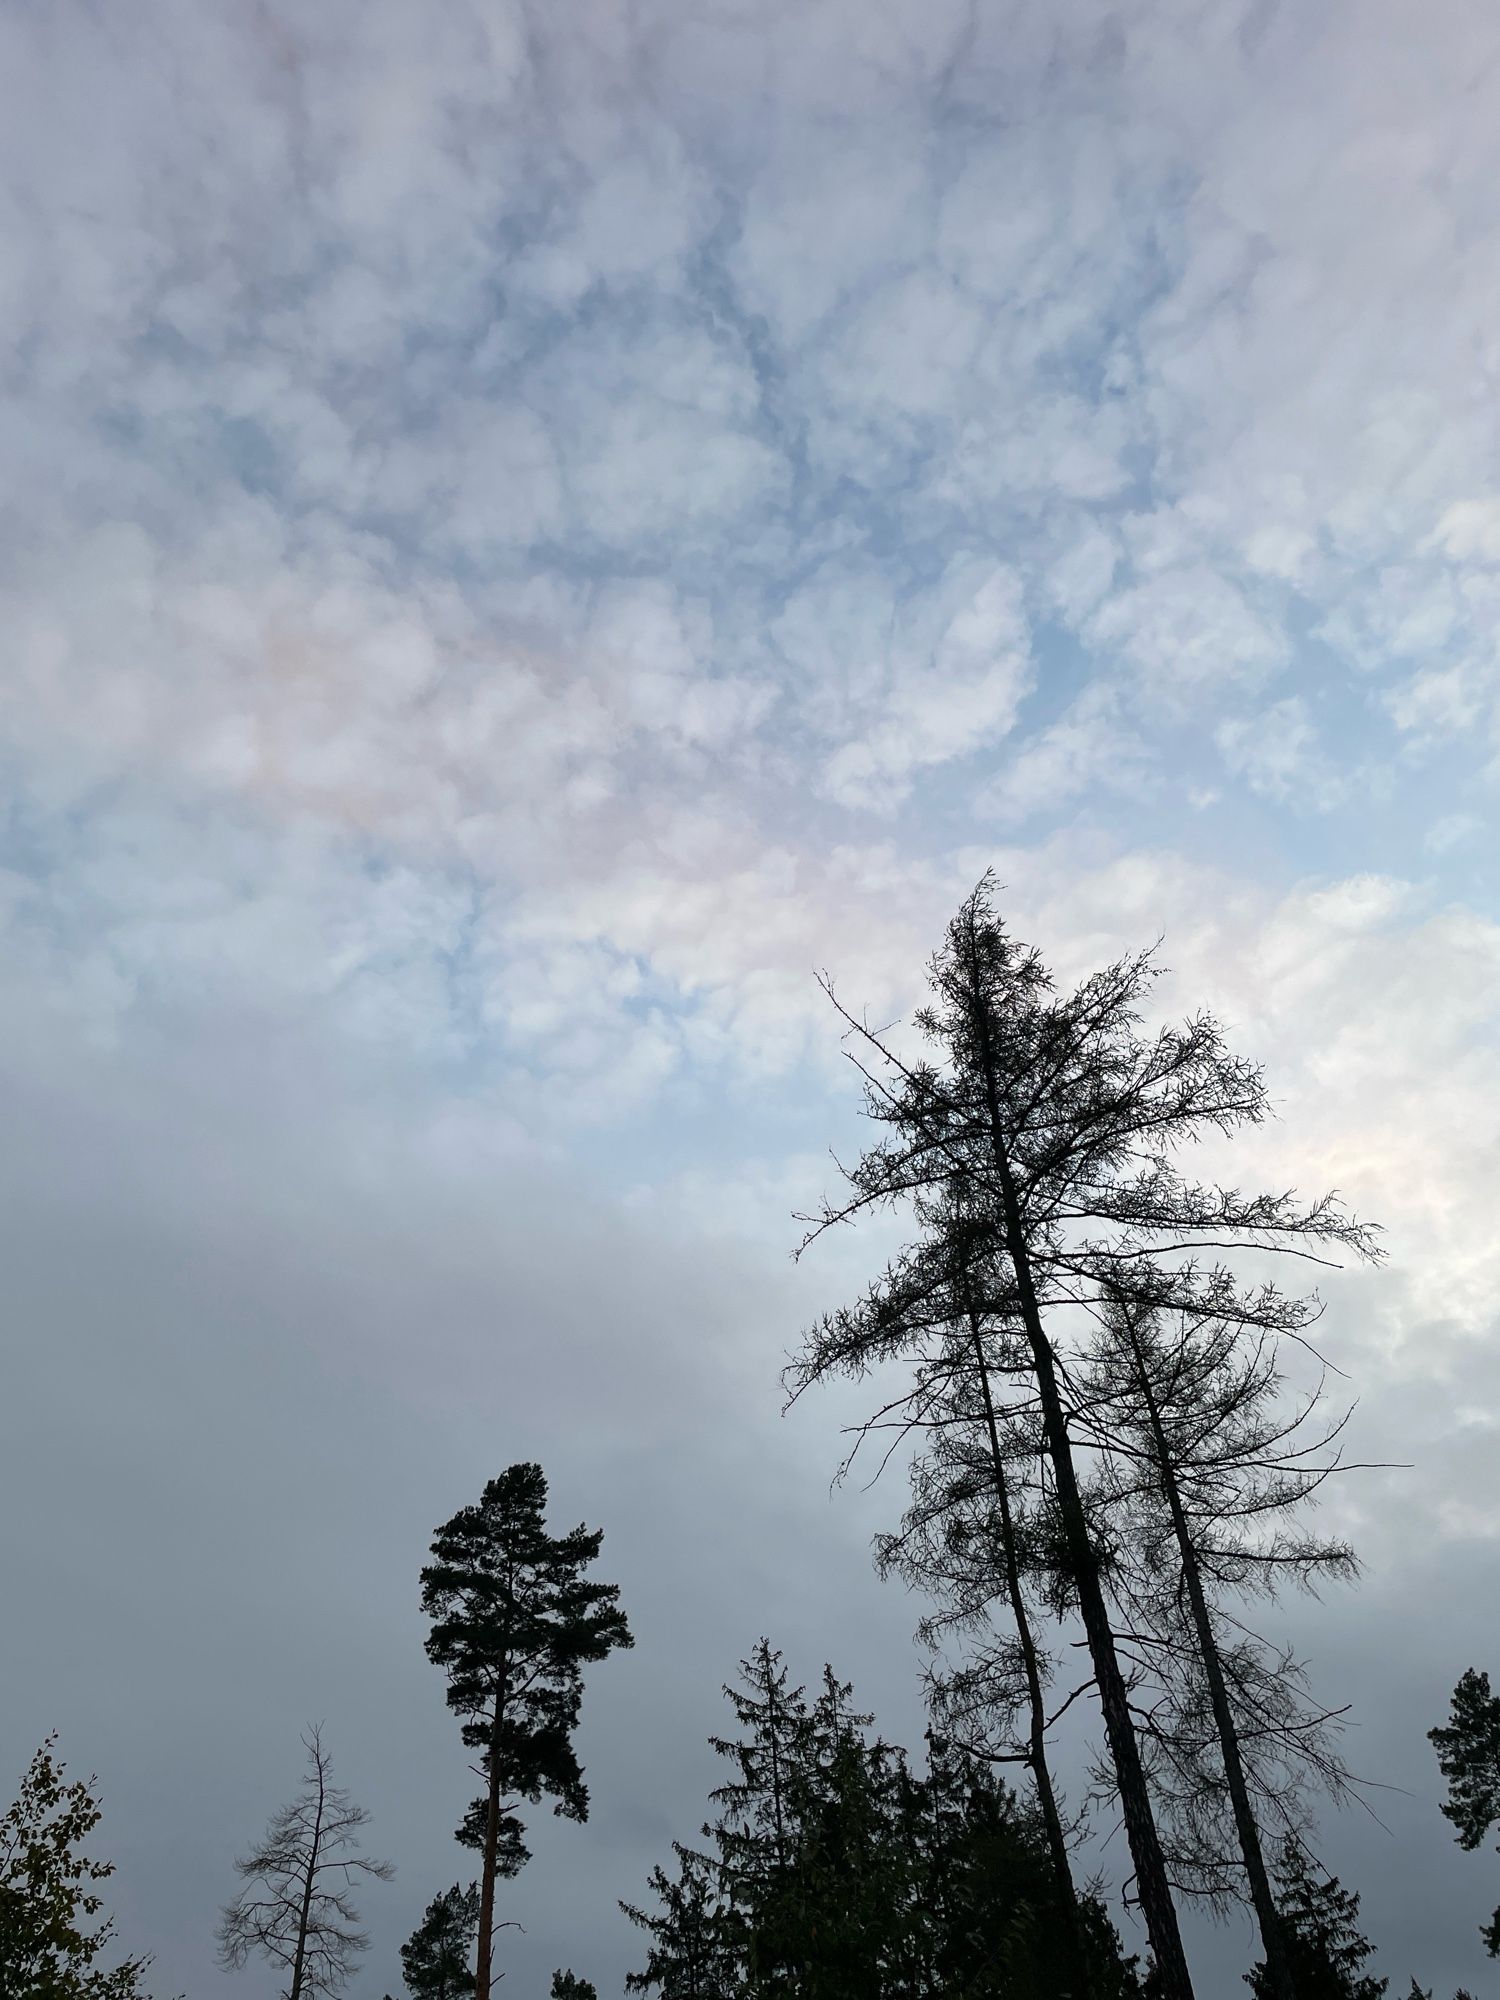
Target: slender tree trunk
<point x="299" y="1962"/>
<point x="1041" y="1774"/>
<point x="483" y="1958"/>
<point x="1152" y="1887"/>
<point x="1273" y="1939"/>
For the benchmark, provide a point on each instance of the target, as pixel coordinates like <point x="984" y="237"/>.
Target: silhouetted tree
<point x="965" y="1536"/>
<point x="1209" y="1465"/>
<point x="1052" y="1124"/>
<point x="514" y="1622"/>
<point x="50" y="1941"/>
<point x="691" y="1956"/>
<point x="835" y="1872"/>
<point x="568" y="1986"/>
<point x="1469" y="1757"/>
<point x="435" y="1958"/>
<point x="297" y="1906"/>
<point x="1324" y="1944"/>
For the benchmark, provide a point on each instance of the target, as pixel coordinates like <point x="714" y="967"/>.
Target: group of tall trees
<point x="1113" y="1422"/>
<point x="1097" y="1391"/>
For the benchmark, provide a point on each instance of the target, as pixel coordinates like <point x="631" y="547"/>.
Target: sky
<point x="528" y="533"/>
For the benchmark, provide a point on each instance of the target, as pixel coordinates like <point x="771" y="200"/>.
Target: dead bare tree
<point x="297" y="1904"/>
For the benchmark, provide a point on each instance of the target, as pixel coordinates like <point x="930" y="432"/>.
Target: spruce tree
<point x="1325" y="1946"/>
<point x="1469" y="1757"/>
<point x="836" y="1872"/>
<point x="692" y="1954"/>
<point x="514" y="1622"/>
<point x="435" y="1960"/>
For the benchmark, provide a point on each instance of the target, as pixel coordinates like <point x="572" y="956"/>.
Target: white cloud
<point x="1088" y="753"/>
<point x="1187" y="632"/>
<point x="1277" y="752"/>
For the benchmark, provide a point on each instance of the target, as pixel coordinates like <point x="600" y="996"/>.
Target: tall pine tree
<point x="514" y="1622"/>
<point x="1468" y="1750"/>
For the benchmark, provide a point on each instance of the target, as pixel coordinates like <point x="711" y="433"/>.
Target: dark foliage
<point x="1320" y="1921"/>
<point x="514" y="1622"/>
<point x="836" y="1872"/>
<point x="1469" y="1757"/>
<point x="435" y="1960"/>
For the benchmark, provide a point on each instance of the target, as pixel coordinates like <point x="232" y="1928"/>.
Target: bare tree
<point x="297" y="1905"/>
<point x="1210" y="1461"/>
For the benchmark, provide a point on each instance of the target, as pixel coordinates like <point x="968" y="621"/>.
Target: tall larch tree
<point x="515" y="1620"/>
<point x="1055" y="1122"/>
<point x="1212" y="1463"/>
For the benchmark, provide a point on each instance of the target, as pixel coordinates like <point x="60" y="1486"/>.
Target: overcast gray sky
<point x="528" y="530"/>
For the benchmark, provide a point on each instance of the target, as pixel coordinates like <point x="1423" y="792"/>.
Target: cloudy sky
<point x="527" y="531"/>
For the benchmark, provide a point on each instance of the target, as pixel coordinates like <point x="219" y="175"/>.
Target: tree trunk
<point x="299" y="1962"/>
<point x="483" y="1957"/>
<point x="1273" y="1940"/>
<point x="1041" y="1775"/>
<point x="1152" y="1887"/>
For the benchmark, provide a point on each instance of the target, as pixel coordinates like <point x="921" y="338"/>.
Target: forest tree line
<point x="1114" y="1425"/>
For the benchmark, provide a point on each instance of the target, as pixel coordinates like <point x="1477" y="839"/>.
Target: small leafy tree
<point x="435" y="1958"/>
<point x="1320" y="1923"/>
<point x="514" y="1622"/>
<point x="1469" y="1758"/>
<point x="297" y="1906"/>
<point x="49" y="1940"/>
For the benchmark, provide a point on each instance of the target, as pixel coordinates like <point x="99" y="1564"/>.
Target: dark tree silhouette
<point x="1320" y="1922"/>
<point x="435" y="1960"/>
<point x="514" y="1622"/>
<point x="691" y="1956"/>
<point x="297" y="1906"/>
<point x="1208" y="1465"/>
<point x="972" y="1538"/>
<point x="51" y="1932"/>
<point x="568" y="1986"/>
<point x="836" y="1872"/>
<point x="1051" y="1126"/>
<point x="1468" y="1749"/>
